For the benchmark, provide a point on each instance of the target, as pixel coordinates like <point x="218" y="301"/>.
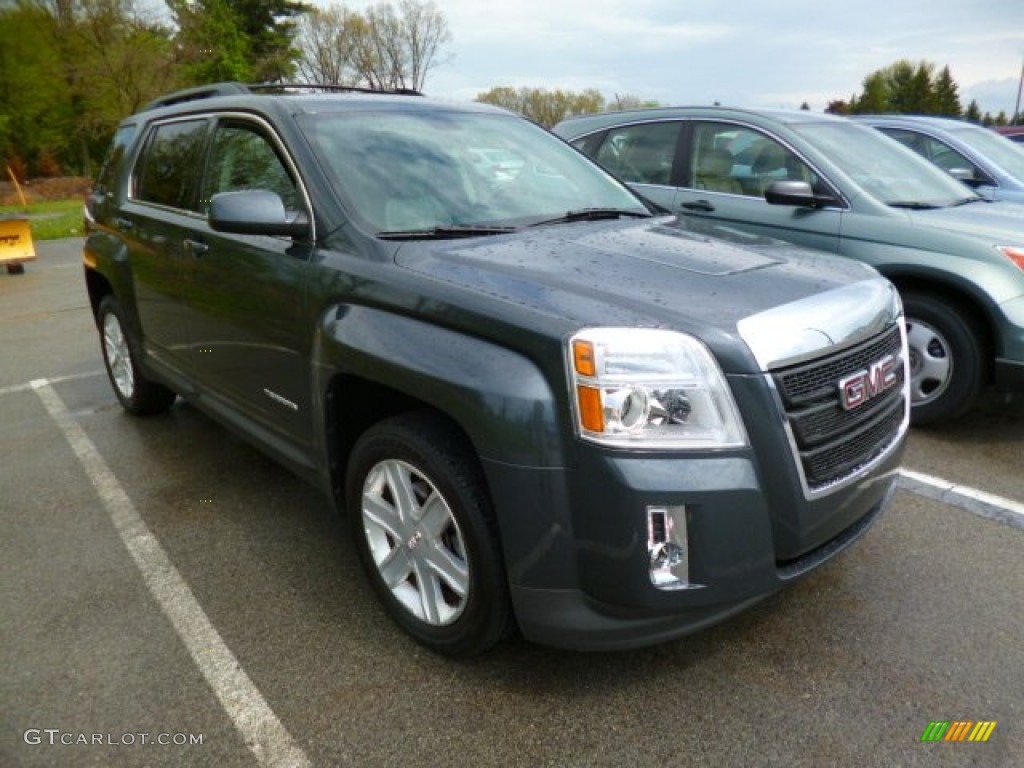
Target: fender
<point x="500" y="399"/>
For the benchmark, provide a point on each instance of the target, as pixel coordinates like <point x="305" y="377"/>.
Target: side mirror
<point x="255" y="212"/>
<point x="796" y="193"/>
<point x="971" y="177"/>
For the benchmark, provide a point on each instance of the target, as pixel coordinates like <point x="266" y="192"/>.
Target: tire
<point x="15" y="269"/>
<point x="948" y="358"/>
<point x="137" y="394"/>
<point x="422" y="522"/>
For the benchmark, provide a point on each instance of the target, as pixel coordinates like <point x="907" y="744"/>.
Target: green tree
<point x="36" y="112"/>
<point x="973" y="112"/>
<point x="875" y="98"/>
<point x="236" y="39"/>
<point x="946" y="95"/>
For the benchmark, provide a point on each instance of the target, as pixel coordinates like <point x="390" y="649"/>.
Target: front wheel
<point x="137" y="394"/>
<point x="948" y="358"/>
<point x="422" y="523"/>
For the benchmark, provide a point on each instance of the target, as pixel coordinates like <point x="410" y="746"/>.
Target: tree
<point x="236" y="39"/>
<point x="399" y="47"/>
<point x="544" y="106"/>
<point x="875" y="97"/>
<point x="625" y="101"/>
<point x="328" y="40"/>
<point x="89" y="63"/>
<point x="973" y="112"/>
<point x="946" y="95"/>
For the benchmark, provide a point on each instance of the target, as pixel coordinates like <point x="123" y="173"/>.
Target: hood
<point x="999" y="223"/>
<point x="658" y="272"/>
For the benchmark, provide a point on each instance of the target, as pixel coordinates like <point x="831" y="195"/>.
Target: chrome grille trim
<point x="832" y="448"/>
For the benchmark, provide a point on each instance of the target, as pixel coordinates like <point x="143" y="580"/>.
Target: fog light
<point x="668" y="548"/>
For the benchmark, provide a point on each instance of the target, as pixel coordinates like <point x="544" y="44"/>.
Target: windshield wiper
<point x="913" y="205"/>
<point x="440" y="233"/>
<point x="593" y="214"/>
<point x="967" y="200"/>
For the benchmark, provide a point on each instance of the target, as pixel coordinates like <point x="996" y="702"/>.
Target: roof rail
<point x="328" y="88"/>
<point x="195" y="94"/>
<point x="234" y="89"/>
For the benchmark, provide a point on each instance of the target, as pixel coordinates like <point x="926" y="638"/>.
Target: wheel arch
<point x="954" y="295"/>
<point x="372" y="364"/>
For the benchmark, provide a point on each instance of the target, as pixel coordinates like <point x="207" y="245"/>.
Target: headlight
<point x="651" y="388"/>
<point x="1016" y="255"/>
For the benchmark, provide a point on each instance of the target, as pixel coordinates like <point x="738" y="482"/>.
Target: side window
<point x="641" y="153"/>
<point x="741" y="161"/>
<point x="243" y="158"/>
<point x="106" y="180"/>
<point x="168" y="167"/>
<point x="940" y="153"/>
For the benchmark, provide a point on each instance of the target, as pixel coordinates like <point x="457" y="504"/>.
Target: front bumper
<point x="576" y="543"/>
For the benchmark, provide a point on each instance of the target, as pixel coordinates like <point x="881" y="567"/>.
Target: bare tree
<point x="328" y="39"/>
<point x="386" y="47"/>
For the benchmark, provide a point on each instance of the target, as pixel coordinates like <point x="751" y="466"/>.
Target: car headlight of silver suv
<point x="650" y="388"/>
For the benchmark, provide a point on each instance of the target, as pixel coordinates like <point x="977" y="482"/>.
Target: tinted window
<point x="107" y="177"/>
<point x="641" y="153"/>
<point x="940" y="153"/>
<point x="168" y="167"/>
<point x="243" y="158"/>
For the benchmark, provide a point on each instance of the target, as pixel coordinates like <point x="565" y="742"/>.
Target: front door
<point x="725" y="171"/>
<point x="246" y="308"/>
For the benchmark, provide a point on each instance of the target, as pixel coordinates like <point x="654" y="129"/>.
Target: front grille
<point x="832" y="443"/>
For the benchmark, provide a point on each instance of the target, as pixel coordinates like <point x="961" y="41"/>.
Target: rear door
<point x="161" y="206"/>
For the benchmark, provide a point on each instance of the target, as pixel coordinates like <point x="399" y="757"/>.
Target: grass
<point x="51" y="219"/>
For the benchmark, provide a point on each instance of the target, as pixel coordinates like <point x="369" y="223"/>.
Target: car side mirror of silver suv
<point x="796" y="193"/>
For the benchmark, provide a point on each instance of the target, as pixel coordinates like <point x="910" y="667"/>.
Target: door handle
<point x="123" y="224"/>
<point x="195" y="248"/>
<point x="699" y="205"/>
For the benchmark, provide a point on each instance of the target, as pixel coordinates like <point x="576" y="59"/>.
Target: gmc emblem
<point x="856" y="389"/>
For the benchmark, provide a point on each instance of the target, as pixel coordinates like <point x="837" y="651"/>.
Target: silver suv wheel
<point x="931" y="364"/>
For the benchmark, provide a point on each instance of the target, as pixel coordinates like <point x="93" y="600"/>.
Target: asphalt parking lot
<point x="171" y="597"/>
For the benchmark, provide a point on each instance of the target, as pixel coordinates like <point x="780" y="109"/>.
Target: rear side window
<point x="107" y="178"/>
<point x="641" y="153"/>
<point x="168" y="168"/>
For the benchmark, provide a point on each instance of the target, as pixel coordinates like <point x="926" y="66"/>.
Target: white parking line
<point x="54" y="380"/>
<point x="263" y="733"/>
<point x="962" y="496"/>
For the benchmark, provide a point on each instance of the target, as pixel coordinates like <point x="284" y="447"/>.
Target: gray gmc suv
<point x="539" y="404"/>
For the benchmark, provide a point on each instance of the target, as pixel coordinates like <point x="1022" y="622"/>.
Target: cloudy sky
<point x="758" y="53"/>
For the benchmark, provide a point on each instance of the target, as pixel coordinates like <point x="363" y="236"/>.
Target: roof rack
<point x="195" y="94"/>
<point x="234" y="89"/>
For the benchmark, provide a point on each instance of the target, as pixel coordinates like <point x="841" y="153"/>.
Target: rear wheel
<point x="136" y="393"/>
<point x="15" y="269"/>
<point x="422" y="522"/>
<point x="948" y="358"/>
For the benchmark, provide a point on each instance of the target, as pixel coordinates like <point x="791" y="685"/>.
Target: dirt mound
<point x="41" y="190"/>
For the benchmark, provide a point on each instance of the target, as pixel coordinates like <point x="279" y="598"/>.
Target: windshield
<point x="998" y="149"/>
<point x="421" y="171"/>
<point x="883" y="167"/>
